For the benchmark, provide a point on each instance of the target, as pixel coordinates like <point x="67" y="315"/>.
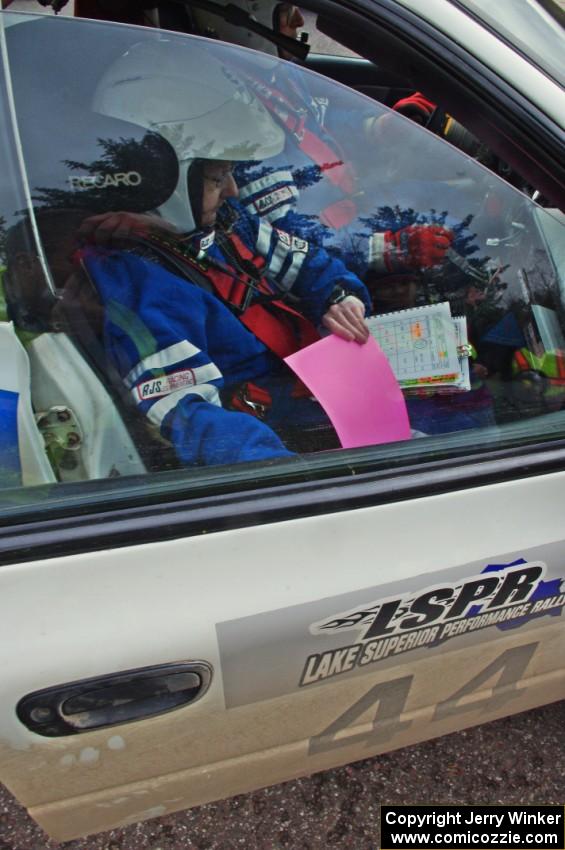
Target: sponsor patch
<point x="164" y="385"/>
<point x="284" y="237"/>
<point x="395" y="625"/>
<point x="269" y="201"/>
<point x="292" y="242"/>
<point x="299" y="245"/>
<point x="207" y="241"/>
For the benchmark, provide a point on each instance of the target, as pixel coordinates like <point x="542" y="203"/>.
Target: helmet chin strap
<point x="183" y="209"/>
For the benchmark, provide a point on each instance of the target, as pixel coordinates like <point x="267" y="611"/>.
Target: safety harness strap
<point x="281" y="328"/>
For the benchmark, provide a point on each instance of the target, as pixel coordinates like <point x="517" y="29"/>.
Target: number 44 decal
<point x="390" y="698"/>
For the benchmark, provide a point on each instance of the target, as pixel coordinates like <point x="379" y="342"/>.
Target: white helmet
<point x="180" y="89"/>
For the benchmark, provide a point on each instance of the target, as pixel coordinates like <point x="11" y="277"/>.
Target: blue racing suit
<point x="177" y="347"/>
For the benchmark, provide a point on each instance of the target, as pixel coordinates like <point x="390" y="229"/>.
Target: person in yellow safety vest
<point x="541" y="376"/>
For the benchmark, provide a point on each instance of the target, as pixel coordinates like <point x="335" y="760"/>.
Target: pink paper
<point x="356" y="387"/>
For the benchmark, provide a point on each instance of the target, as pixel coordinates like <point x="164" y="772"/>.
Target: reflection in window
<point x="219" y="212"/>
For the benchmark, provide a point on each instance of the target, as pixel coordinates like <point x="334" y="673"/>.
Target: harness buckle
<point x="251" y="399"/>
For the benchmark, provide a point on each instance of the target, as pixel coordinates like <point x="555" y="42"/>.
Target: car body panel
<point x="141" y="605"/>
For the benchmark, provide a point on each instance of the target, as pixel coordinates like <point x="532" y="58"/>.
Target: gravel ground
<point x="517" y="760"/>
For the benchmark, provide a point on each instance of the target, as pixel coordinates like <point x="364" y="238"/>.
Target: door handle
<point x="112" y="699"/>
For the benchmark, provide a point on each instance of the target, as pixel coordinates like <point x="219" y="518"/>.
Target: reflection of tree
<point x="150" y="157"/>
<point x="543" y="284"/>
<point x="309" y="175"/>
<point x="353" y="251"/>
<point x="244" y="172"/>
<point x="486" y="313"/>
<point x="308" y="226"/>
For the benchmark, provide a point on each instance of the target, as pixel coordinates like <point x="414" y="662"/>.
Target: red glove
<point x="418" y="246"/>
<point x="416" y="107"/>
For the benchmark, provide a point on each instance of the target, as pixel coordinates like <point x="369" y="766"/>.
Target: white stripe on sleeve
<point x="278" y="257"/>
<point x="264" y="239"/>
<point x="207" y="392"/>
<point x="266" y="182"/>
<point x="287" y="280"/>
<point x="176" y="353"/>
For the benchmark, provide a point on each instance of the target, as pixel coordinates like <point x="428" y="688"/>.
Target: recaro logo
<point x="103" y="181"/>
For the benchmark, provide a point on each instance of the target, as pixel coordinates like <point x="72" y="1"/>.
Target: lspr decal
<point x="387" y="627"/>
<point x="375" y="628"/>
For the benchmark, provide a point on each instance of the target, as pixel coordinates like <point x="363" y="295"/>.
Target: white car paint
<point x="88" y="615"/>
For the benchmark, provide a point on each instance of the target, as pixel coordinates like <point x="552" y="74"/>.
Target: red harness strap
<point x="521" y="361"/>
<point x="560" y="364"/>
<point x="281" y="328"/>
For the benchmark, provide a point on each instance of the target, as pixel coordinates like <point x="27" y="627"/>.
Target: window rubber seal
<point x="54" y="537"/>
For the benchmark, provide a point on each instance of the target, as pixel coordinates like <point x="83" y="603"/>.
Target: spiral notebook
<point x="426" y="347"/>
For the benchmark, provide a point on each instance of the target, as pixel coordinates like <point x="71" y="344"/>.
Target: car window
<point x="321" y="43"/>
<point x="155" y="347"/>
<point x="271" y="16"/>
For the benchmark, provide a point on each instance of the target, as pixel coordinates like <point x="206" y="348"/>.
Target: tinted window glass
<point x="320" y="43"/>
<point x="205" y="212"/>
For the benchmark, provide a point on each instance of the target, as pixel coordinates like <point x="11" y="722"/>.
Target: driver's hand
<point x="347" y="320"/>
<point x="114" y="226"/>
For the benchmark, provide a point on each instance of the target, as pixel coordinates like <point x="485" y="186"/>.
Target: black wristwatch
<point x="338" y="294"/>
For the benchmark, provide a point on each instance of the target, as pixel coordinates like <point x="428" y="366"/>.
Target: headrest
<point x="75" y="157"/>
<point x="98" y="163"/>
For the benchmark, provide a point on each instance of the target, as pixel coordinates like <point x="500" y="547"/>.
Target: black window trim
<point x="181" y="517"/>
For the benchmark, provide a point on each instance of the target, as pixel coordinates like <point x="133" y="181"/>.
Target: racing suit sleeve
<point x="294" y="266"/>
<point x="270" y="193"/>
<point x="156" y="334"/>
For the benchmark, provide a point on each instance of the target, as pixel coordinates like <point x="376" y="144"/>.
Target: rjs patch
<point x="164" y="385"/>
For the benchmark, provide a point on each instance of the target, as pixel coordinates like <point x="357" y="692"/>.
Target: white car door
<point x="175" y="633"/>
